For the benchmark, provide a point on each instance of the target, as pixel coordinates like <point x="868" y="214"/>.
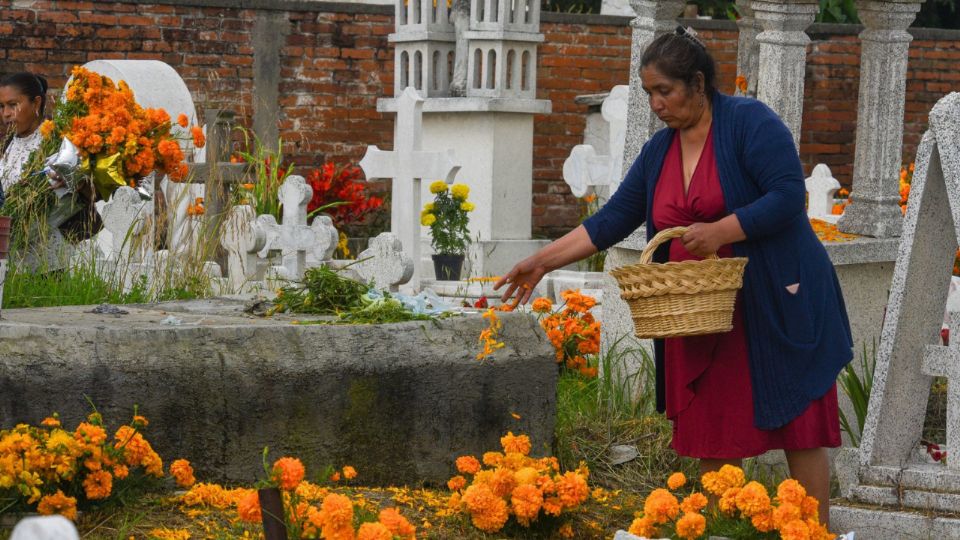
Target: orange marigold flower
<point x="791" y="491"/>
<point x="288" y="472"/>
<point x="693" y="503"/>
<point x="248" y="507"/>
<point x="468" y="464"/>
<point x="397" y="524"/>
<point x="373" y="531"/>
<point x="349" y="472"/>
<point x="728" y="501"/>
<point x="661" y="506"/>
<point x="183" y="120"/>
<point x="741" y="83"/>
<point x="50" y="421"/>
<point x="676" y="480"/>
<point x="198" y="138"/>
<point x="552" y="505"/>
<point x="140" y="421"/>
<point x="526" y="500"/>
<point x="691" y="526"/>
<point x="795" y="530"/>
<point x="492" y="459"/>
<point x="338" y="513"/>
<point x="515" y="443"/>
<point x="46" y="128"/>
<point x="643" y="526"/>
<point x="572" y="489"/>
<point x="457" y="483"/>
<point x="247" y="186"/>
<point x="763" y="521"/>
<point x="98" y="485"/>
<point x="526" y="475"/>
<point x="335" y="477"/>
<point x="753" y="499"/>
<point x="58" y="503"/>
<point x="182" y="472"/>
<point x="542" y="305"/>
<point x="89" y="433"/>
<point x="785" y="513"/>
<point x="487" y="511"/>
<point x="810" y="508"/>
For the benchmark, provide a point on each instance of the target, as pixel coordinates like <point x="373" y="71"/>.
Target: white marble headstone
<point x="385" y="263"/>
<point x="821" y="187"/>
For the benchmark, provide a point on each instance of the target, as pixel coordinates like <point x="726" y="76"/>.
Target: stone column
<point x="653" y="19"/>
<point x="783" y="56"/>
<point x="875" y="198"/>
<point x="748" y="48"/>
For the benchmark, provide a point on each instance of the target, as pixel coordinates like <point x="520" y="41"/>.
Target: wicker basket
<point x="686" y="298"/>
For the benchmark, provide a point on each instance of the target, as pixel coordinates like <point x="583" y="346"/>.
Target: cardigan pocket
<point x="798" y="320"/>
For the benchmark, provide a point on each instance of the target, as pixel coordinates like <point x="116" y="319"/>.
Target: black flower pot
<point x="447" y="267"/>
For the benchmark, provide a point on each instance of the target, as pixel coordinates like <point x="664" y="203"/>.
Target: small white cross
<point x="820" y="189"/>
<point x="385" y="263"/>
<point x="585" y="168"/>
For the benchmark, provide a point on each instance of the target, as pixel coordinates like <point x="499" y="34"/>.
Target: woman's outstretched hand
<point x="521" y="280"/>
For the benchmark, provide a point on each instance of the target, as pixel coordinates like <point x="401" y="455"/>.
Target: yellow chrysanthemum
<point x="467" y="206"/>
<point x="438" y="187"/>
<point x="428" y="219"/>
<point x="428" y="208"/>
<point x="460" y="191"/>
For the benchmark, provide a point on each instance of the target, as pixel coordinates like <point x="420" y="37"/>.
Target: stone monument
<point x="883" y="472"/>
<point x="490" y="128"/>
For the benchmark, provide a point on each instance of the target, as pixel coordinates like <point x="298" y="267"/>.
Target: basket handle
<point x="661" y="237"/>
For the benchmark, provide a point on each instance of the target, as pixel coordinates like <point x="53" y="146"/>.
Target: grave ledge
<point x="397" y="401"/>
<point x="884" y="524"/>
<point x="473" y="104"/>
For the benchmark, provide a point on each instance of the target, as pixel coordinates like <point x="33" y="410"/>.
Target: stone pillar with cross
<point x="407" y="165"/>
<point x="885" y="470"/>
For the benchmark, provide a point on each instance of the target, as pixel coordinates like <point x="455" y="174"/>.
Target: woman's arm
<point x="522" y="279"/>
<point x="770" y="158"/>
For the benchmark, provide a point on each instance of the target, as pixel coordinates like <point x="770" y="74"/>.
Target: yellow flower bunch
<point x="792" y="513"/>
<point x="39" y="465"/>
<point x="514" y="484"/>
<point x="447" y="217"/>
<point x="572" y="330"/>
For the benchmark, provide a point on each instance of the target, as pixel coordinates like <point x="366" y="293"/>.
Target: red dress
<point x="707" y="378"/>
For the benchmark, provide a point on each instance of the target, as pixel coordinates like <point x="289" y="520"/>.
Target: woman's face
<point x="18" y="111"/>
<point x="671" y="100"/>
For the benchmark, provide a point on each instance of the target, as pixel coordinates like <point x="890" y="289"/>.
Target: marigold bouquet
<point x="119" y="141"/>
<point x="310" y="510"/>
<point x="513" y="484"/>
<point x="790" y="515"/>
<point x="339" y="192"/>
<point x="447" y="217"/>
<point x="572" y="330"/>
<point x="53" y="471"/>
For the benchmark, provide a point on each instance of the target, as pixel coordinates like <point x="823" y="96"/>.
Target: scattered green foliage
<point x="838" y="11"/>
<point x="856" y="382"/>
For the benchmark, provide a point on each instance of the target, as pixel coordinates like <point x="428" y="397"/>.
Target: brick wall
<point x="337" y="62"/>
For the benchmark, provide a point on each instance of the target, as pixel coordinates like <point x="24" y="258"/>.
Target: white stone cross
<point x="385" y="263"/>
<point x="123" y="216"/>
<point x="242" y="238"/>
<point x="939" y="361"/>
<point x="585" y="168"/>
<point x="407" y="165"/>
<point x="325" y="241"/>
<point x="821" y="186"/>
<point x="293" y="237"/>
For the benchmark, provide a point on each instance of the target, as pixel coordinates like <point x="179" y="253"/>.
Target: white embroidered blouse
<point x="15" y="157"/>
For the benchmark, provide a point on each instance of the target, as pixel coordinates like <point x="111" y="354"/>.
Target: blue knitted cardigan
<point x="797" y="343"/>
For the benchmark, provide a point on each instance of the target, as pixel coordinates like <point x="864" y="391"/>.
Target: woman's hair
<point x="31" y="85"/>
<point x="680" y="56"/>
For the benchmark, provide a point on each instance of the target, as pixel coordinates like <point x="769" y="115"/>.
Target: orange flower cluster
<point x="197" y="208"/>
<point x="741" y="84"/>
<point x="514" y="484"/>
<point x="906" y="178"/>
<point x="488" y="337"/>
<point x="792" y="513"/>
<point x="39" y="465"/>
<point x="182" y="472"/>
<point x="572" y="330"/>
<point x="104" y="119"/>
<point x="311" y="511"/>
<point x="828" y="232"/>
<point x="838" y="208"/>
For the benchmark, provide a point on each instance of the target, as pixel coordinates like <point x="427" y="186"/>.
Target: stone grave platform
<point x="399" y="401"/>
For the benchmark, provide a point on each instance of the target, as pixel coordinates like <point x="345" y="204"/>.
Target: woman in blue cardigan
<point x="727" y="169"/>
